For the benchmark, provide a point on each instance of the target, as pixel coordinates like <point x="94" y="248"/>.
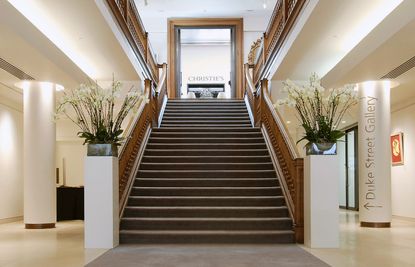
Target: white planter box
<point x="321" y="201"/>
<point x="101" y="202"/>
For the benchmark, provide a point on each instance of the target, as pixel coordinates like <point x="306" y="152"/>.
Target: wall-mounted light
<point x="264" y="4"/>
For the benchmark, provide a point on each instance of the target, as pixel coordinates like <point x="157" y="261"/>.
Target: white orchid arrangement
<point x="319" y="110"/>
<point x="94" y="111"/>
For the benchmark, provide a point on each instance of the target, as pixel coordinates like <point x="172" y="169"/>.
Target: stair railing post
<point x="148" y="87"/>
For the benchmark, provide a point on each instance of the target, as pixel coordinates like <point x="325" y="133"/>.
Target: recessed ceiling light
<point x="343" y="122"/>
<point x="288" y="122"/>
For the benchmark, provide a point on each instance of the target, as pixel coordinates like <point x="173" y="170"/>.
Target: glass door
<point x="352" y="194"/>
<point x="348" y="179"/>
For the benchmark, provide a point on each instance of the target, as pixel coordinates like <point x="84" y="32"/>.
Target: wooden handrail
<point x="163" y="78"/>
<point x="126" y="14"/>
<point x="289" y="165"/>
<point x="130" y="156"/>
<point x="282" y="20"/>
<point x="248" y="78"/>
<point x="159" y="97"/>
<point x="148" y="117"/>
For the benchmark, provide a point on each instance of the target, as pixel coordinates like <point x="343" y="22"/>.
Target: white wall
<point x="403" y="177"/>
<point x="206" y="60"/>
<point x="11" y="159"/>
<point x="69" y="149"/>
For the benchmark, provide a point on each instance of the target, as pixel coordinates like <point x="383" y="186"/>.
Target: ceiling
<point x="65" y="42"/>
<point x="205" y="36"/>
<point x="156" y="12"/>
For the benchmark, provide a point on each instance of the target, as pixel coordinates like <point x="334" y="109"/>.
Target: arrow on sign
<point x="368" y="206"/>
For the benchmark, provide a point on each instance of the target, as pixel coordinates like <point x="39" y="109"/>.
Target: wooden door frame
<point x="237" y="23"/>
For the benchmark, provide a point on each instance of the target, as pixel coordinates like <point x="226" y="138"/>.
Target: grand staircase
<point x="206" y="177"/>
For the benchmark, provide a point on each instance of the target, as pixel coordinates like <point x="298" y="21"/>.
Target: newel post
<point x="152" y="96"/>
<point x="299" y="200"/>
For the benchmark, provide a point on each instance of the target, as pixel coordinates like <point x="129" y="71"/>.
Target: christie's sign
<point x="206" y="79"/>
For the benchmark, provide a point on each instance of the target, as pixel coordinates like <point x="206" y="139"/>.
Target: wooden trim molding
<point x="376" y="224"/>
<point x="197" y="22"/>
<point x="39" y="225"/>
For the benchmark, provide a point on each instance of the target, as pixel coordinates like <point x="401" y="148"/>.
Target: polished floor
<point x="63" y="246"/>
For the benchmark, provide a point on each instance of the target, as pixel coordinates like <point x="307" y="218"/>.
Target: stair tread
<point x="207" y="163"/>
<point x="237" y="157"/>
<point x="207" y="207"/>
<point x="208" y="197"/>
<point x="208" y="232"/>
<point x="206" y="219"/>
<point x="210" y="177"/>
<point x="207" y="187"/>
<point x="247" y="170"/>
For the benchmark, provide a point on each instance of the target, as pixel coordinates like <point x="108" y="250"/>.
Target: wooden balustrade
<point x="284" y="153"/>
<point x="126" y="14"/>
<point x="283" y="17"/>
<point x="290" y="164"/>
<point x="159" y="97"/>
<point x="147" y="117"/>
<point x="128" y="18"/>
<point x="130" y="155"/>
<point x="283" y="150"/>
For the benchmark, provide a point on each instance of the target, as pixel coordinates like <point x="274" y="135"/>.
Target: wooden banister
<point x="283" y="150"/>
<point x="148" y="117"/>
<point x="159" y="97"/>
<point x="289" y="165"/>
<point x="126" y="14"/>
<point x="130" y="155"/>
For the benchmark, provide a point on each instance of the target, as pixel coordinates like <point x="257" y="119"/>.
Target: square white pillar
<point x="101" y="202"/>
<point x="321" y="201"/>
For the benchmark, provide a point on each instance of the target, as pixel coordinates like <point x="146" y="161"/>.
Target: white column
<point x="321" y="201"/>
<point x="374" y="154"/>
<point x="101" y="202"/>
<point x="39" y="154"/>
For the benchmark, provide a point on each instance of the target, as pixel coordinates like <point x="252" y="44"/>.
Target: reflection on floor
<point x="371" y="247"/>
<point x="59" y="247"/>
<point x="63" y="246"/>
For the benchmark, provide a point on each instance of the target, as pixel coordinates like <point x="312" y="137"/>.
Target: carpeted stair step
<point x="212" y="182"/>
<point x="206" y="152"/>
<point x="203" y="134"/>
<point x="206" y="212"/>
<point x="206" y="159"/>
<point x="206" y="174"/>
<point x="198" y="237"/>
<point x="229" y="130"/>
<point x="225" y="201"/>
<point x="215" y="140"/>
<point x="206" y="166"/>
<point x="206" y="191"/>
<point x="206" y="224"/>
<point x="207" y="146"/>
